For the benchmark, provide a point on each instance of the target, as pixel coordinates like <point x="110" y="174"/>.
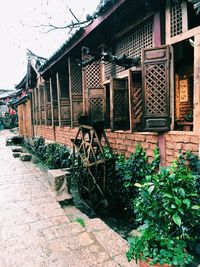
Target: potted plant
<point x="168" y="209"/>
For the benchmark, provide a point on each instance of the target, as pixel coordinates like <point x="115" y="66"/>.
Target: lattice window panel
<point x="42" y="103"/>
<point x="119" y="104"/>
<point x="131" y="45"/>
<point x="47" y="88"/>
<point x="175" y="18"/>
<point x="76" y="76"/>
<point x="93" y="75"/>
<point x="137" y="102"/>
<point x="156" y="89"/>
<point x="42" y="97"/>
<point x="54" y="89"/>
<point x="96" y="109"/>
<point x="64" y="86"/>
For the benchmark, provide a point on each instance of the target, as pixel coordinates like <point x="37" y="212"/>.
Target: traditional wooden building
<point x="136" y="67"/>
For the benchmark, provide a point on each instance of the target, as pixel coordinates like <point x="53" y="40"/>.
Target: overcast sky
<point x="17" y="33"/>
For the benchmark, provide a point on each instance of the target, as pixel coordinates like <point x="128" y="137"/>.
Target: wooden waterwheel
<point x="93" y="165"/>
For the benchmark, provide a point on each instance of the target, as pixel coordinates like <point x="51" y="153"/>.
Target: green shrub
<point x="168" y="208"/>
<point x="54" y="155"/>
<point x="134" y="170"/>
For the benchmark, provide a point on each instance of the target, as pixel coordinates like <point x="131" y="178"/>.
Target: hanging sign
<point x="183" y="85"/>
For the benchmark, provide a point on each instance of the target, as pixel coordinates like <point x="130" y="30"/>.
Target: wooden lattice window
<point x="136" y="99"/>
<point x="93" y="75"/>
<point x="119" y="104"/>
<point x="36" y="106"/>
<point x="176" y="18"/>
<point x="48" y="107"/>
<point x="156" y="88"/>
<point x="132" y="44"/>
<point x="64" y="86"/>
<point x="76" y="78"/>
<point x="42" y="103"/>
<point x="96" y="104"/>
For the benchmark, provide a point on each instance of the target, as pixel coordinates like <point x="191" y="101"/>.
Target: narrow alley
<point x="34" y="229"/>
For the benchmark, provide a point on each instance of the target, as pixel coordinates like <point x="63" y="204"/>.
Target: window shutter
<point x="155" y="63"/>
<point x="75" y="91"/>
<point x="96" y="103"/>
<point x="119" y="111"/>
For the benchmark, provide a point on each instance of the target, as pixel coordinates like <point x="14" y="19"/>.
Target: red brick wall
<point x="180" y="140"/>
<point x="125" y="142"/>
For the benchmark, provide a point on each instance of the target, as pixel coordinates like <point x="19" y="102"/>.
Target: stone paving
<point x="36" y="232"/>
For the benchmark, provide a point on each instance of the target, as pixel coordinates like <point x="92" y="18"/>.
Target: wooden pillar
<point x="70" y="91"/>
<point x="52" y="108"/>
<point x="36" y="106"/>
<point x="172" y="93"/>
<point x="196" y="116"/>
<point x="131" y="112"/>
<point x="58" y="97"/>
<point x="156" y="29"/>
<point x="39" y="105"/>
<point x="167" y="22"/>
<point x="45" y="105"/>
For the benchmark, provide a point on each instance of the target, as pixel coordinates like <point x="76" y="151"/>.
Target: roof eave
<point x="87" y="30"/>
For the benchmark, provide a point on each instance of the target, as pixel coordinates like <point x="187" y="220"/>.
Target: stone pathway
<point x="36" y="231"/>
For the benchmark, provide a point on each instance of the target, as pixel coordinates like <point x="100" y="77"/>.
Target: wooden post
<point x="196" y="127"/>
<point x="52" y="109"/>
<point x="36" y="106"/>
<point x="172" y="94"/>
<point x="45" y="105"/>
<point x="70" y="92"/>
<point x="168" y="23"/>
<point x="130" y="89"/>
<point x="39" y="105"/>
<point x="58" y="95"/>
<point x="184" y="16"/>
<point x="156" y="29"/>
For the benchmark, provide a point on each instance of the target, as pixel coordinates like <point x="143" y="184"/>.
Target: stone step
<point x="57" y="179"/>
<point x="17" y="149"/>
<point x="16" y="154"/>
<point x="25" y="157"/>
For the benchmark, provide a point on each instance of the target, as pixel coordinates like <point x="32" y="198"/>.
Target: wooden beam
<point x="185" y="35"/>
<point x="58" y="96"/>
<point x="52" y="109"/>
<point x="196" y="83"/>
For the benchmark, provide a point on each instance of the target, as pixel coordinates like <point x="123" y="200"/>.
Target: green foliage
<point x="80" y="221"/>
<point x="159" y="249"/>
<point x="134" y="170"/>
<point x="54" y="155"/>
<point x="168" y="208"/>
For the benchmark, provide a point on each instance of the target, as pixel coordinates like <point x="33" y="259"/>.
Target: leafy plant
<point x="155" y="248"/>
<point x="134" y="170"/>
<point x="58" y="156"/>
<point x="54" y="155"/>
<point x="167" y="202"/>
<point x="80" y="221"/>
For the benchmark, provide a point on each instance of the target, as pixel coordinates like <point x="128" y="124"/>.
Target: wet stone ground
<point x="35" y="231"/>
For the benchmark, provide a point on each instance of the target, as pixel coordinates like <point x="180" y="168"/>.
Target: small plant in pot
<point x="168" y="209"/>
